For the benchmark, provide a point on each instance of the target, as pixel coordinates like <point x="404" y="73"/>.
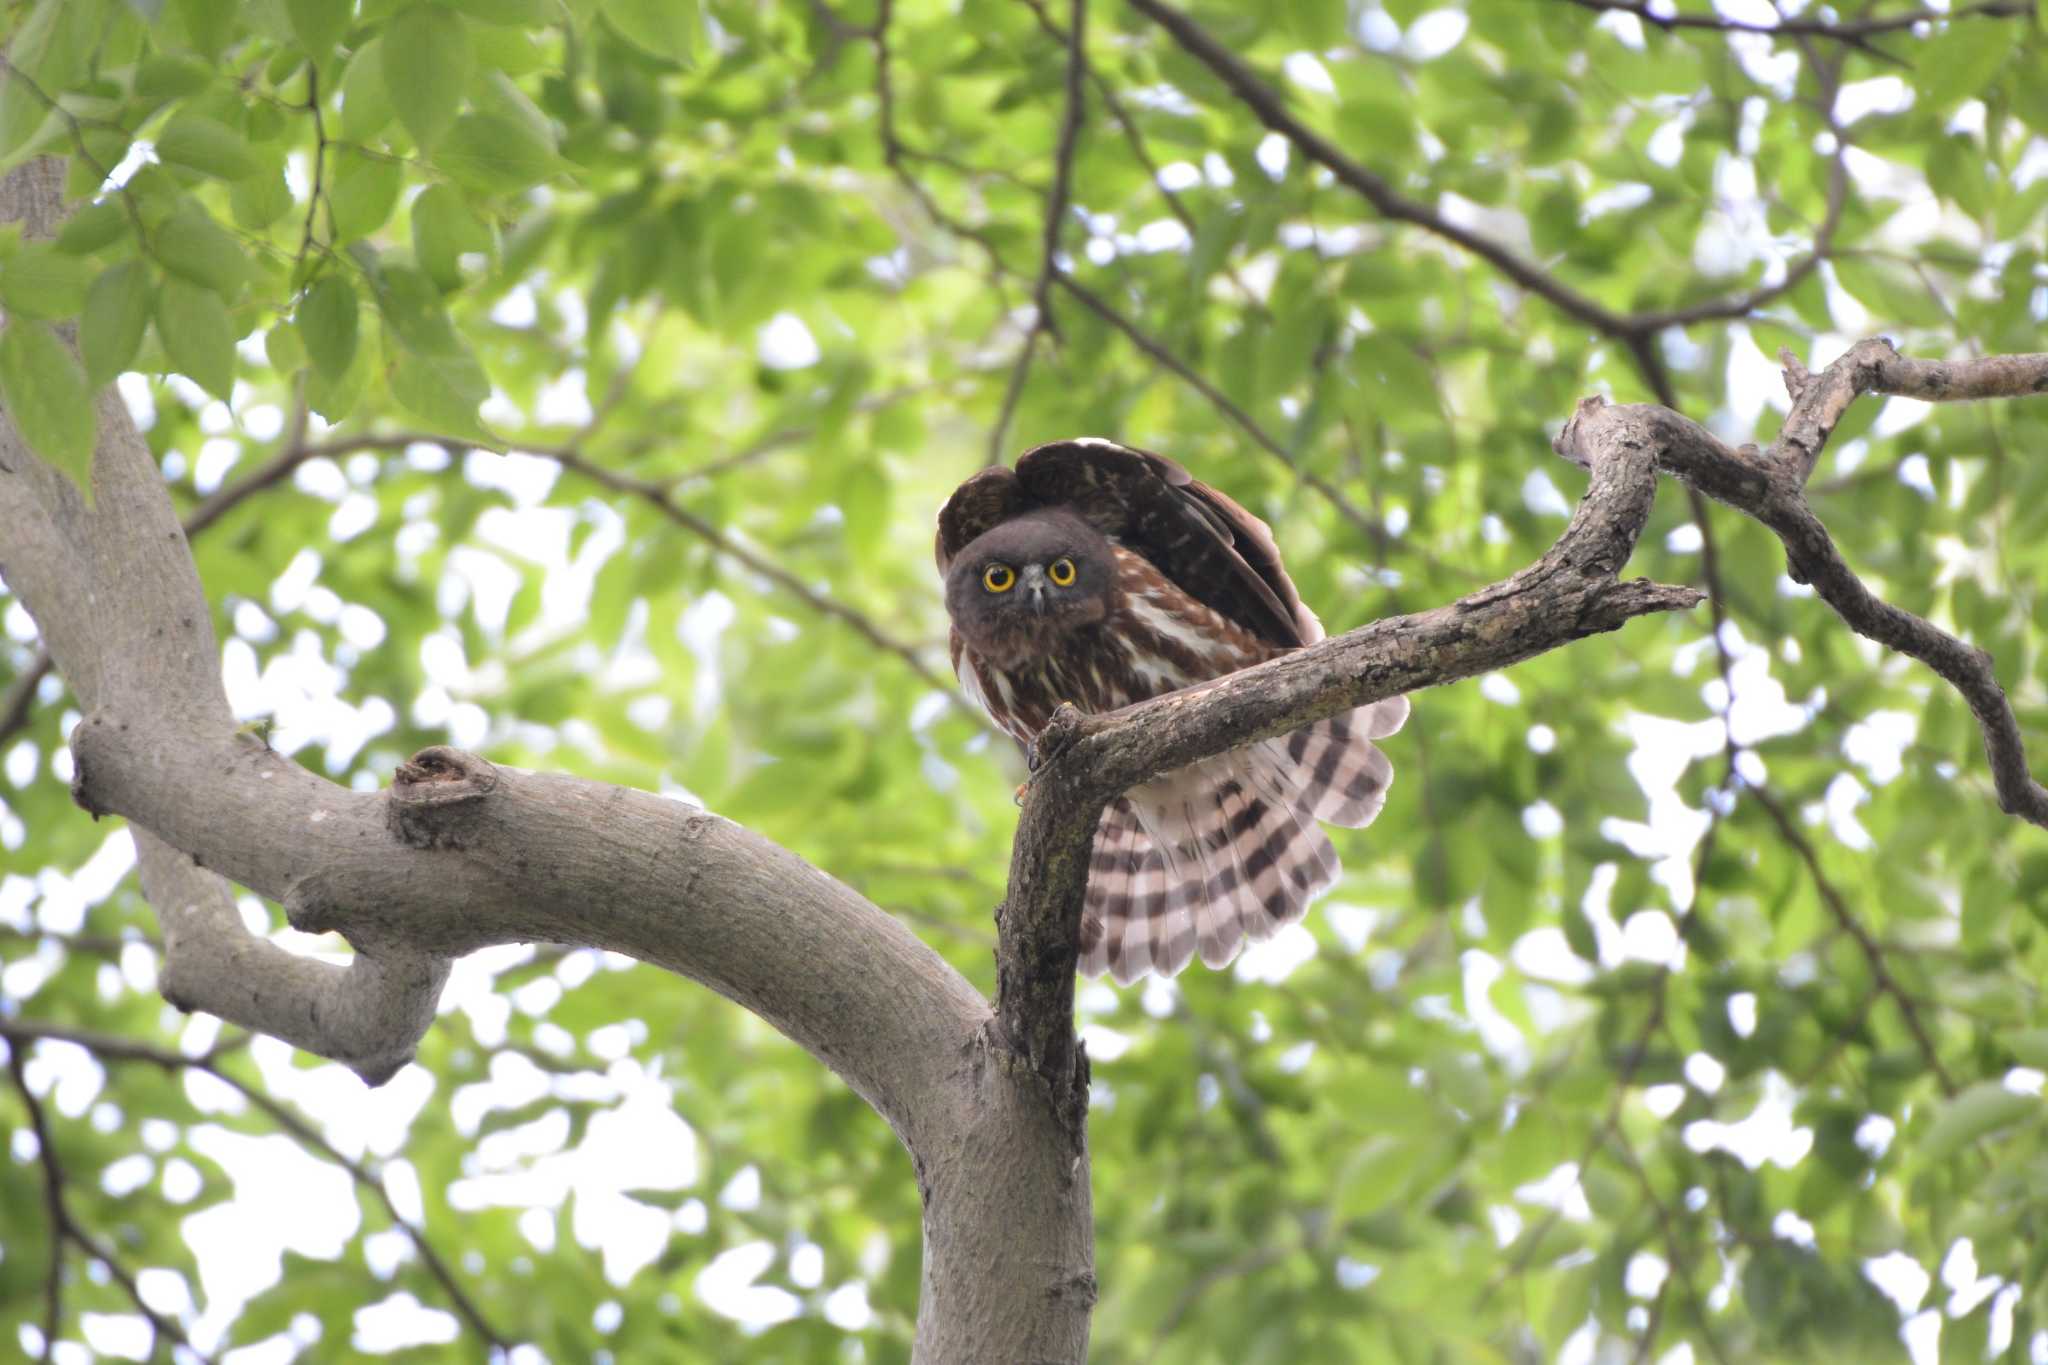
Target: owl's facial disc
<point x="1017" y="591"/>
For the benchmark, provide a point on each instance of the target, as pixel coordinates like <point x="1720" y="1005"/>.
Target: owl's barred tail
<point x="1228" y="849"/>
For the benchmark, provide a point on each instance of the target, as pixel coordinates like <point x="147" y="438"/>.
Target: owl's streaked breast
<point x="1155" y="639"/>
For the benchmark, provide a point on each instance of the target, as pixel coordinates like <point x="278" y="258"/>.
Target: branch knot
<point x="428" y="792"/>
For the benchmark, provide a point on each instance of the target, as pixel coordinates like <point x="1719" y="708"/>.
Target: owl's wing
<point x="1200" y="538"/>
<point x="987" y="499"/>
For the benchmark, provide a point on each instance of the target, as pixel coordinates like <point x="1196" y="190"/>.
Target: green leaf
<point x="285" y="348"/>
<point x="319" y="23"/>
<point x="116" y="313"/>
<point x="2030" y="1046"/>
<point x="93" y="227"/>
<point x="365" y="99"/>
<point x="46" y="395"/>
<point x="665" y="28"/>
<point x="500" y="96"/>
<point x="261" y="199"/>
<point x="45" y="47"/>
<point x="493" y="154"/>
<point x="328" y="317"/>
<point x="443" y="231"/>
<point x="173" y="75"/>
<point x="1982" y="1109"/>
<point x="191" y="245"/>
<point x="334" y="397"/>
<point x="198" y="338"/>
<point x="1892" y="295"/>
<point x="427" y="61"/>
<point x="205" y="145"/>
<point x="431" y="369"/>
<point x="1960" y="62"/>
<point x="39" y="281"/>
<point x="509" y="12"/>
<point x="364" y="192"/>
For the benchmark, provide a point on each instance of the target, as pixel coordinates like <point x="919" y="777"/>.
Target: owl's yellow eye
<point x="999" y="578"/>
<point x="1061" y="572"/>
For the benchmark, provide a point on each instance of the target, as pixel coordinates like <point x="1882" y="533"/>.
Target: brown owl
<point x="1100" y="575"/>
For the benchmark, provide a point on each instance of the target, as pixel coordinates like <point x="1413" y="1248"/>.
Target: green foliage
<point x="759" y="320"/>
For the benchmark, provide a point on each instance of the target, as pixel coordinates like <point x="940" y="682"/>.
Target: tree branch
<point x="1265" y="102"/>
<point x="1086" y="761"/>
<point x="65" y="1227"/>
<point x="1873" y="954"/>
<point x="106" y="1047"/>
<point x="1633" y="329"/>
<point x="1843" y="30"/>
<point x="1770" y="488"/>
<point x="1217" y="399"/>
<point x="1057" y="202"/>
<point x="459" y="854"/>
<point x="20" y="696"/>
<point x="1873" y="366"/>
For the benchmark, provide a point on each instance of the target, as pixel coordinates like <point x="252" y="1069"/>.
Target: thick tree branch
<point x="1770" y="487"/>
<point x="1572" y="592"/>
<point x="460" y="854"/>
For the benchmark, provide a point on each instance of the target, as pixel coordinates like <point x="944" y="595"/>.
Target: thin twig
<point x="1043" y="325"/>
<point x="20" y="696"/>
<point x="107" y="1047"/>
<point x="1244" y="421"/>
<point x="319" y="167"/>
<point x="1880" y="974"/>
<point x="63" y="1226"/>
<point x="1633" y="329"/>
<point x="1842" y="30"/>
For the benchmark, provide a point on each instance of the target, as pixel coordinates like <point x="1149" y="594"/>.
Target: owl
<point x="1101" y="575"/>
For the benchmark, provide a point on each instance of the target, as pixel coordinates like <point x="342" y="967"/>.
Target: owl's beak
<point x="1034" y="583"/>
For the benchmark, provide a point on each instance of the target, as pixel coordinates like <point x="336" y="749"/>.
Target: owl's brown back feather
<point x="1197" y="536"/>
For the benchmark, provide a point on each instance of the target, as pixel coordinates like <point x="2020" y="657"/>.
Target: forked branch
<point x="1087" y="761"/>
<point x="1770" y="486"/>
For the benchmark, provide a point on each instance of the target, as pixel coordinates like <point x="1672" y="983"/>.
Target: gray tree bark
<point x="988" y="1099"/>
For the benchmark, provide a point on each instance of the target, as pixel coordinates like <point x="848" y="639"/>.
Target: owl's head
<point x="1018" y="589"/>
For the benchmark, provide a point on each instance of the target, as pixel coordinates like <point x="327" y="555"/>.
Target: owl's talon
<point x="1051" y="741"/>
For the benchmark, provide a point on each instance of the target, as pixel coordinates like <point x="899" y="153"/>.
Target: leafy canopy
<point x="1590" y="1046"/>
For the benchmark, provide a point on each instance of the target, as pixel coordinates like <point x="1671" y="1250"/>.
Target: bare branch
<point x="662" y="496"/>
<point x="20" y="696"/>
<point x="1874" y="366"/>
<point x="1770" y="488"/>
<point x="1056" y="205"/>
<point x="1263" y="101"/>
